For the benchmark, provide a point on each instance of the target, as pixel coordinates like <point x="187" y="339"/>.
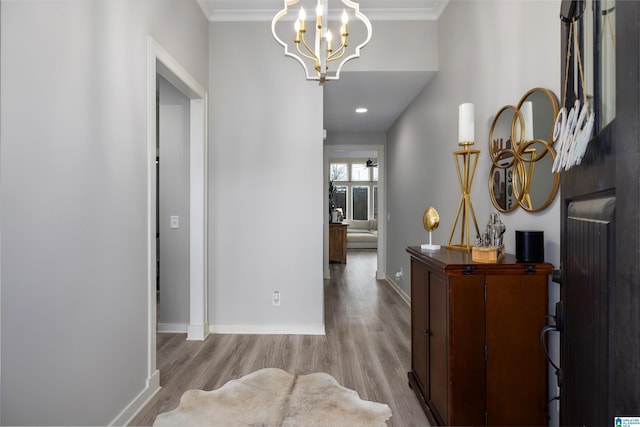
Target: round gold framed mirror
<point x="503" y="144"/>
<point x="539" y="107"/>
<point x="534" y="179"/>
<point x="501" y="188"/>
<point x="521" y="152"/>
<point x="502" y="134"/>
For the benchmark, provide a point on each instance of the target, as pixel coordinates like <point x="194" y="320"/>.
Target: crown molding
<point x="215" y="11"/>
<point x="207" y="8"/>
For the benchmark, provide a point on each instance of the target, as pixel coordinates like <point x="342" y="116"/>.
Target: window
<point x="360" y="172"/>
<point x="340" y="199"/>
<point x="355" y="190"/>
<point x="338" y="172"/>
<point x="375" y="202"/>
<point x="360" y="202"/>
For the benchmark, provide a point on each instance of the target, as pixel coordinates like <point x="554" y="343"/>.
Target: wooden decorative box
<point x="488" y="254"/>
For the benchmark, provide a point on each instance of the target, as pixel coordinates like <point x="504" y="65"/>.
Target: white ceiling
<point x="385" y="94"/>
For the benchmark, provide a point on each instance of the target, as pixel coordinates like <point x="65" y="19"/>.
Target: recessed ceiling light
<point x="361" y="110"/>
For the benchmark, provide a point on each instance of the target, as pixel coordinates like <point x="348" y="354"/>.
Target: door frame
<point x="160" y="62"/>
<point x="382" y="204"/>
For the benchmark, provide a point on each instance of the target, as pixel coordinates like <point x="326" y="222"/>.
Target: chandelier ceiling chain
<point x="321" y="52"/>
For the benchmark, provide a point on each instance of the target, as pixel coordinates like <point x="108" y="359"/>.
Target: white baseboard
<point x="268" y="329"/>
<point x="399" y="290"/>
<point x="194" y="332"/>
<point x="174" y="328"/>
<point x="132" y="409"/>
<point x="197" y="332"/>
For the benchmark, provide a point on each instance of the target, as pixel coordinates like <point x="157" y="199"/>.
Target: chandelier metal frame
<point x="321" y="52"/>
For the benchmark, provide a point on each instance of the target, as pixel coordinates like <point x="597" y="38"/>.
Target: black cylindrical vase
<point x="530" y="246"/>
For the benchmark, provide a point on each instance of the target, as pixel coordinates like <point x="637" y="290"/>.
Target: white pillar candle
<point x="466" y="129"/>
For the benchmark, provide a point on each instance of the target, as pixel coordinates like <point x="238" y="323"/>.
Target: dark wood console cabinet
<point x="338" y="242"/>
<point x="476" y="357"/>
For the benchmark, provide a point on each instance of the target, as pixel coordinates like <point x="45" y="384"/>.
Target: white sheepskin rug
<point x="273" y="397"/>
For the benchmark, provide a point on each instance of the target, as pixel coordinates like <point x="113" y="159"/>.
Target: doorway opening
<point x="172" y="207"/>
<point x="356" y="174"/>
<point x="161" y="63"/>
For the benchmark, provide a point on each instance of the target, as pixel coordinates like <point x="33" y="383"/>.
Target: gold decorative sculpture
<point x="430" y="220"/>
<point x="465" y="158"/>
<point x="466" y="162"/>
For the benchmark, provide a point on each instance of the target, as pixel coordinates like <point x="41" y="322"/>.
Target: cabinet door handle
<point x="426" y="333"/>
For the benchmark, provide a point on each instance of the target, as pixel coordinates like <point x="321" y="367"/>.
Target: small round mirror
<point x="539" y="108"/>
<point x="534" y="179"/>
<point x="503" y="142"/>
<point x="501" y="189"/>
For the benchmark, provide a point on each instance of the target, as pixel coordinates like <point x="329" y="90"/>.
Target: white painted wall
<point x="73" y="200"/>
<point x="266" y="185"/>
<point x="490" y="53"/>
<point x="173" y="130"/>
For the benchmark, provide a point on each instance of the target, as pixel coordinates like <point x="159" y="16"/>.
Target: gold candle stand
<point x="464" y="159"/>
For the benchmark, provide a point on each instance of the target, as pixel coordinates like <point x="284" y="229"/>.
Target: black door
<point x="600" y="256"/>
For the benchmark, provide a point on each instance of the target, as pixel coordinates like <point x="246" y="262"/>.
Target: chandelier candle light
<point x="466" y="163"/>
<point x="321" y="52"/>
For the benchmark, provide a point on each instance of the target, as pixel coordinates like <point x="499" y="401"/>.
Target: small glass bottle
<point x="495" y="230"/>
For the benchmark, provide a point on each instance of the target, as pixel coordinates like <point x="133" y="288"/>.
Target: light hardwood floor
<point x="366" y="348"/>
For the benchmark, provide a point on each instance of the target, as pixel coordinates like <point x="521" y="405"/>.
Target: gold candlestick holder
<point x="466" y="163"/>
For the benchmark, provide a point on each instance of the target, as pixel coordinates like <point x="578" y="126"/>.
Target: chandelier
<point x="316" y="55"/>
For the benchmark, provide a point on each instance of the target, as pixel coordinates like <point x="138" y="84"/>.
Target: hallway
<point x="366" y="348"/>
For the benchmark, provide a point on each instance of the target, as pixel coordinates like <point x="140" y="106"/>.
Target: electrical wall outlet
<point x="275" y="299"/>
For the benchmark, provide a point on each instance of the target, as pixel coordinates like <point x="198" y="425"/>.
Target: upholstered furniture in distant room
<point x="362" y="234"/>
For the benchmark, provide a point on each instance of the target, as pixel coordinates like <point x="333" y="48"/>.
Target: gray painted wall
<point x="173" y="315"/>
<point x="504" y="49"/>
<point x="266" y="133"/>
<point x="73" y="168"/>
<point x="399" y="46"/>
<point x="492" y="63"/>
<point x="356" y="138"/>
<point x="266" y="185"/>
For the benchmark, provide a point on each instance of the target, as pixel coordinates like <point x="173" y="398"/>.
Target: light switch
<point x="175" y="222"/>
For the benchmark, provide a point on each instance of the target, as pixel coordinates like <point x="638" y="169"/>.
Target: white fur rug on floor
<point x="273" y="397"/>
